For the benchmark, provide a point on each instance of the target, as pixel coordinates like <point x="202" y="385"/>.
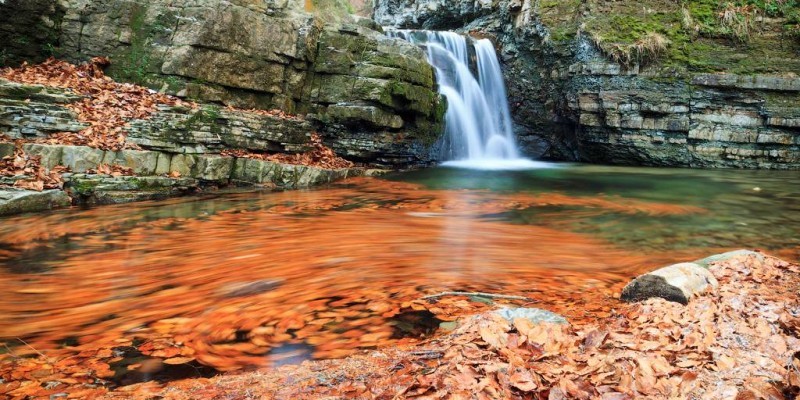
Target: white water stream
<point x="479" y="131"/>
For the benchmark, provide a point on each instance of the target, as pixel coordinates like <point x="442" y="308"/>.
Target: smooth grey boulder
<point x="706" y="262"/>
<point x="678" y="283"/>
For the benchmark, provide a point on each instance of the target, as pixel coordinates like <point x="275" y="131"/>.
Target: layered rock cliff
<point x="372" y="98"/>
<point x="652" y="82"/>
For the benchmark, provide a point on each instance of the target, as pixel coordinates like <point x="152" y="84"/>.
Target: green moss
<point x="137" y="62"/>
<point x="206" y="115"/>
<point x="698" y="40"/>
<point x="133" y="64"/>
<point x="84" y="187"/>
<point x="561" y="18"/>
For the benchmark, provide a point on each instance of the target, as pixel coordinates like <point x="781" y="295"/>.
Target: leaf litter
<point x="28" y="172"/>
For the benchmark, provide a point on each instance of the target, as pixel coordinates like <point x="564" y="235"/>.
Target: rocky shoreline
<point x="181" y="151"/>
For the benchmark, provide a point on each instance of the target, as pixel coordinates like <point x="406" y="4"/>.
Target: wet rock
<point x="287" y="176"/>
<point x="104" y="189"/>
<point x="534" y="315"/>
<point x="16" y="201"/>
<point x="678" y="283"/>
<point x="719" y="258"/>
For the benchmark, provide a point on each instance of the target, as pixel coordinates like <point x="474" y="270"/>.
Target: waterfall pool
<point x="249" y="279"/>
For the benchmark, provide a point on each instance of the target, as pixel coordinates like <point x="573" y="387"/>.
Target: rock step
<point x="17" y="201"/>
<point x="207" y="168"/>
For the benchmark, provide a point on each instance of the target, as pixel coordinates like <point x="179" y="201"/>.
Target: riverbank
<point x="739" y="338"/>
<point x="74" y="136"/>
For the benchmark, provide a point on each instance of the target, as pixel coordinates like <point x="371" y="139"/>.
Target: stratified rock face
<point x="433" y="14"/>
<point x="696" y="107"/>
<point x="352" y="80"/>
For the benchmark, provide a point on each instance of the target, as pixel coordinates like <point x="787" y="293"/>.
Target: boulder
<point x="50" y="154"/>
<point x="678" y="283"/>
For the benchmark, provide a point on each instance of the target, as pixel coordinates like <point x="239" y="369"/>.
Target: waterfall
<point x="479" y="131"/>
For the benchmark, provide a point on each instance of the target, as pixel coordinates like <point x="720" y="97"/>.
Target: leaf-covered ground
<point x="740" y="340"/>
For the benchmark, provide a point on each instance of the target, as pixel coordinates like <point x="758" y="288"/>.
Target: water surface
<point x="252" y="279"/>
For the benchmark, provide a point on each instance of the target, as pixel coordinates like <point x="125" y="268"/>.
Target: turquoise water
<point x="744" y="208"/>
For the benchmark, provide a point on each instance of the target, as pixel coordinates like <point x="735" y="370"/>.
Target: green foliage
<point x="633" y="39"/>
<point x="561" y="18"/>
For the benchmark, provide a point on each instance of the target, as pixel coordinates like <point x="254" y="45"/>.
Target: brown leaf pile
<point x="113" y="170"/>
<point x="319" y="156"/>
<point x="737" y="341"/>
<point x="35" y="176"/>
<point x="107" y="105"/>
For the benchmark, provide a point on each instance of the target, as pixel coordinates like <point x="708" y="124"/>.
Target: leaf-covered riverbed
<point x="100" y="299"/>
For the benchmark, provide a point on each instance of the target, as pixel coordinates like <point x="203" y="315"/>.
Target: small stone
<point x="534" y="315"/>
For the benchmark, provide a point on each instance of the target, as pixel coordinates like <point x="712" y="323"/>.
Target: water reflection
<point x="257" y="279"/>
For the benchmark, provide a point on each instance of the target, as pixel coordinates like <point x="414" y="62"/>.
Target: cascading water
<point x="478" y="120"/>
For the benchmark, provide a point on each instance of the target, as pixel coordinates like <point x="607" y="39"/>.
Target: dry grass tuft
<point x="738" y="21"/>
<point x="646" y="50"/>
